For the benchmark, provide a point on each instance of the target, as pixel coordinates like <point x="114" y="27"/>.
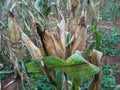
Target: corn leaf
<point x="6" y="4"/>
<point x="37" y="5"/>
<point x="75" y="66"/>
<point x="80" y="34"/>
<point x="61" y="26"/>
<point x="34" y="67"/>
<point x="58" y="3"/>
<point x="79" y="68"/>
<point x="34" y="51"/>
<point x="97" y="37"/>
<point x="50" y="5"/>
<point x="14" y="34"/>
<point x="96" y="60"/>
<point x="50" y="44"/>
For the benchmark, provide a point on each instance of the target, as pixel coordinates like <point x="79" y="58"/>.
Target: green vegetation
<point x="111" y="40"/>
<point x="59" y="44"/>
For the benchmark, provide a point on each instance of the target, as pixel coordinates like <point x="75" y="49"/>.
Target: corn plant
<point x="56" y="53"/>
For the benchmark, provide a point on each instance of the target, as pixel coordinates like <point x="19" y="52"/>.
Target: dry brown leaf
<point x="62" y="26"/>
<point x="69" y="4"/>
<point x="95" y="8"/>
<point x="80" y="34"/>
<point x="56" y="34"/>
<point x="34" y="51"/>
<point x="50" y="45"/>
<point x="96" y="60"/>
<point x="97" y="57"/>
<point x="14" y="34"/>
<point x="58" y="3"/>
<point x="75" y="3"/>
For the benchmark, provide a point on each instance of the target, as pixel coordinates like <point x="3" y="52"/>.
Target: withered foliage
<point x="52" y="42"/>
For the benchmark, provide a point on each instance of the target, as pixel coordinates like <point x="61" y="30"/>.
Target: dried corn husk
<point x="53" y="48"/>
<point x="50" y="45"/>
<point x="80" y="34"/>
<point x="75" y="3"/>
<point x="96" y="60"/>
<point x="34" y="51"/>
<point x="94" y="9"/>
<point x="69" y="6"/>
<point x="58" y="3"/>
<point x="14" y="34"/>
<point x="62" y="27"/>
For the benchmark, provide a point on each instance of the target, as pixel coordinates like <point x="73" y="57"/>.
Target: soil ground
<point x="112" y="59"/>
<point x="107" y="58"/>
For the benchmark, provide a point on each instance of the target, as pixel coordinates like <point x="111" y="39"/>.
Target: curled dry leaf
<point x="69" y="5"/>
<point x="50" y="45"/>
<point x="58" y="3"/>
<point x="61" y="27"/>
<point x="14" y="34"/>
<point x="94" y="8"/>
<point x="80" y="34"/>
<point x="76" y="4"/>
<point x="34" y="51"/>
<point x="96" y="60"/>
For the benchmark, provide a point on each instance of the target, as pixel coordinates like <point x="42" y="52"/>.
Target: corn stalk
<point x="50" y="51"/>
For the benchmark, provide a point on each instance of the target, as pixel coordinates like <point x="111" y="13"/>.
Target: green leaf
<point x="50" y="5"/>
<point x="68" y="38"/>
<point x="98" y="40"/>
<point x="38" y="5"/>
<point x="34" y="67"/>
<point x="42" y="23"/>
<point x="76" y="59"/>
<point x="75" y="85"/>
<point x="59" y="79"/>
<point x="75" y="66"/>
<point x="97" y="37"/>
<point x="53" y="62"/>
<point x="79" y="68"/>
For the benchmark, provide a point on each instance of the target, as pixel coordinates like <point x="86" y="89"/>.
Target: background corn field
<point x="59" y="45"/>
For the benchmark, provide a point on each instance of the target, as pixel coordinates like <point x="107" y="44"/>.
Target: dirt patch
<point x="117" y="77"/>
<point x="105" y="23"/>
<point x="112" y="59"/>
<point x="118" y="46"/>
<point x="9" y="83"/>
<point x="117" y="23"/>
